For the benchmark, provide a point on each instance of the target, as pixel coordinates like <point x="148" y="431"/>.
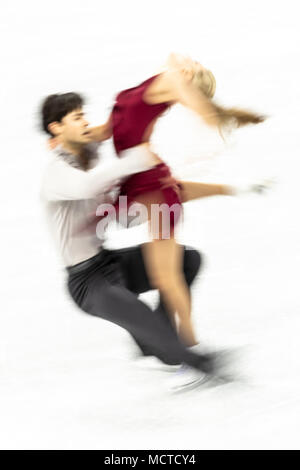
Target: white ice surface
<point x="67" y="379"/>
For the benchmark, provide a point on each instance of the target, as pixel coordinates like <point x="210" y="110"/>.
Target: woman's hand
<point x="185" y="65"/>
<point x="53" y="142"/>
<point x="101" y="133"/>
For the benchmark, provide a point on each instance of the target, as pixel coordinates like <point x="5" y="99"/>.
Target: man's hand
<point x="144" y="150"/>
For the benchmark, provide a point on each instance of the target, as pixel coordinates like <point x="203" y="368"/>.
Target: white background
<point x="68" y="380"/>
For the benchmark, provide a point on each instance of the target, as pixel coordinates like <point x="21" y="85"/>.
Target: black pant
<point x="108" y="285"/>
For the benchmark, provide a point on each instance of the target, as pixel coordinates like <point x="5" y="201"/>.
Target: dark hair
<point x="55" y="107"/>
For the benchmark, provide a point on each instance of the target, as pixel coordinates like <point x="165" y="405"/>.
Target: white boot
<point x="260" y="186"/>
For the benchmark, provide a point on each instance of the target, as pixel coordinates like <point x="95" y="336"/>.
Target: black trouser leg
<point x="104" y="295"/>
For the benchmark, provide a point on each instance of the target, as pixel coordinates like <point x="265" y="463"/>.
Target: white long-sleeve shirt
<point x="70" y="197"/>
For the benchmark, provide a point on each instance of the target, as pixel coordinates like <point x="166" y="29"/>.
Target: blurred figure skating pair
<point x="102" y="282"/>
<point x="131" y="124"/>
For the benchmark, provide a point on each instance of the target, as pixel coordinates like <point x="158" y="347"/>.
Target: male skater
<point x="102" y="282"/>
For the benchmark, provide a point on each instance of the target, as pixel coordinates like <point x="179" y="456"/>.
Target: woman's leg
<point x="137" y="280"/>
<point x="163" y="261"/>
<point x="191" y="190"/>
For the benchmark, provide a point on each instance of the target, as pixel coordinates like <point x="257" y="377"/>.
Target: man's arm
<point x="64" y="182"/>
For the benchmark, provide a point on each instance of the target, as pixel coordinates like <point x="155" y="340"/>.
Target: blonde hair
<point x="228" y="117"/>
<point x="206" y="81"/>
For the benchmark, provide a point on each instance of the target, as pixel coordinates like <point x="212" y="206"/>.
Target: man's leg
<point x="97" y="296"/>
<point x="137" y="281"/>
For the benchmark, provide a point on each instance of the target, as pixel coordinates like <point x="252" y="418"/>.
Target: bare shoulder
<point x="160" y="90"/>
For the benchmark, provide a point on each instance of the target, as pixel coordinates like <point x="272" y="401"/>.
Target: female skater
<point x="132" y="121"/>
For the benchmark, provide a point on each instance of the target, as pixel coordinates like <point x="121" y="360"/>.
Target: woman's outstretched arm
<point x="101" y="133"/>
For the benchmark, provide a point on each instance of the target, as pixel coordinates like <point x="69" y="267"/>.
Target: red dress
<point x="131" y="118"/>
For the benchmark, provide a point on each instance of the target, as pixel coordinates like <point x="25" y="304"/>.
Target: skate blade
<point x="202" y="382"/>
